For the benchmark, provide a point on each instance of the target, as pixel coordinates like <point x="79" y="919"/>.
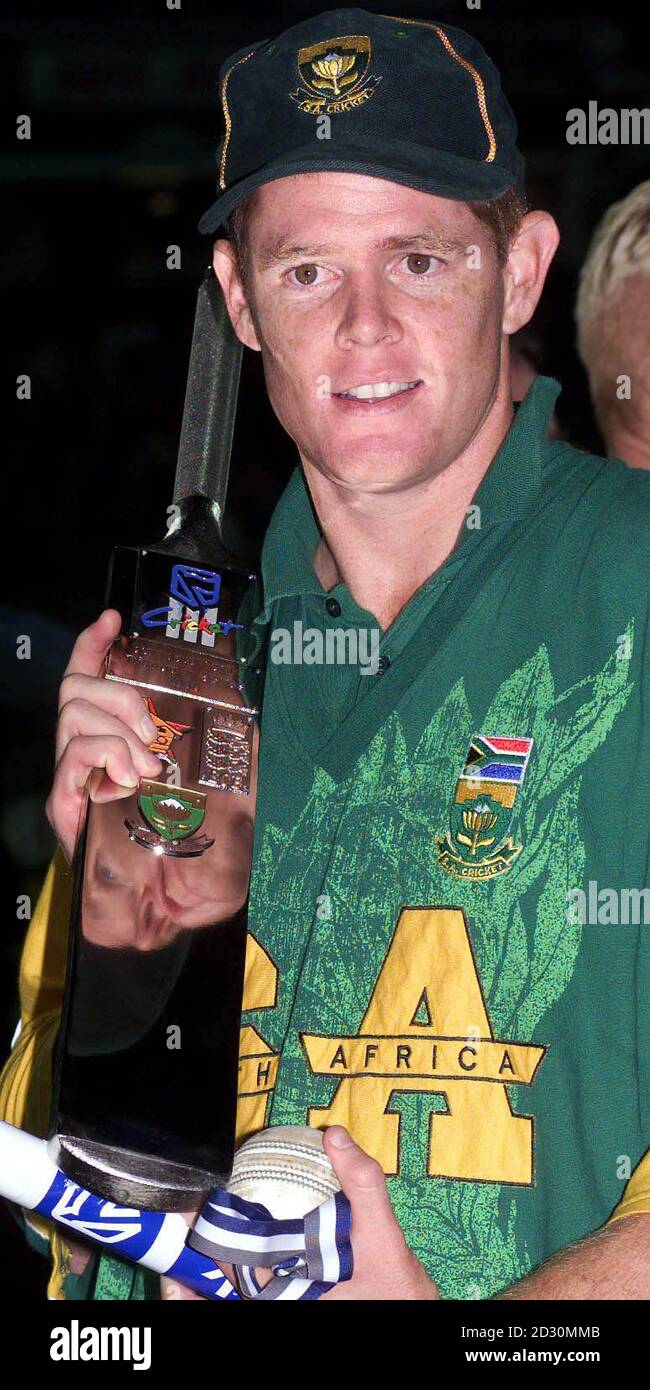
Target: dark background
<point x="125" y="123"/>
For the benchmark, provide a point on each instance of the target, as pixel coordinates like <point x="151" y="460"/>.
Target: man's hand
<point x="102" y="734"/>
<point x="384" y="1267"/>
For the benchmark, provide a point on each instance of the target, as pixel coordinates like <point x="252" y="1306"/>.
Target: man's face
<point x="345" y="311"/>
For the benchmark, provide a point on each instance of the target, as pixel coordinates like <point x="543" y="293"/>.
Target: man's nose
<point x="368" y="316"/>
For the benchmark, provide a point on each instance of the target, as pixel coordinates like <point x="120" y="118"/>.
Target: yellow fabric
<point x="636" y="1197"/>
<point x="26" y="1079"/>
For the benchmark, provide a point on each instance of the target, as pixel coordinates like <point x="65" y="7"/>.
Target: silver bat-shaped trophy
<point x="145" y="1074"/>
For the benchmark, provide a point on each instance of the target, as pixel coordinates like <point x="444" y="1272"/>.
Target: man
<point x="613" y="319"/>
<point x="427" y="975"/>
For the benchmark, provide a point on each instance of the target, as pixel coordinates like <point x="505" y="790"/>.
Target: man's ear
<point x="532" y="250"/>
<point x="226" y="270"/>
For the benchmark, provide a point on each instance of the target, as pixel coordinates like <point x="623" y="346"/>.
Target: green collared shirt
<point x="447" y="915"/>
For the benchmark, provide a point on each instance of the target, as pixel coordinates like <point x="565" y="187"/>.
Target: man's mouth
<point x="376" y="390"/>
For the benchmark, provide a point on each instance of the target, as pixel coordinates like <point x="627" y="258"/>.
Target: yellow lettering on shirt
<point x="429" y="972"/>
<point x="258" y="1063"/>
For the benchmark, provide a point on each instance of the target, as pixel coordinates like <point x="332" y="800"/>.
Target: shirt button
<point x="382" y="665"/>
<point x="333" y="607"/>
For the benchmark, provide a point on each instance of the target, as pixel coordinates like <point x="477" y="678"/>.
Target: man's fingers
<point x="102" y="736"/>
<point x="80" y="718"/>
<point x="124" y="701"/>
<point x="383" y="1265"/>
<point x="85" y="752"/>
<point x="92" y="644"/>
<point x="111" y="755"/>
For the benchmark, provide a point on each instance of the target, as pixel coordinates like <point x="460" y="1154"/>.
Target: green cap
<point x="410" y="100"/>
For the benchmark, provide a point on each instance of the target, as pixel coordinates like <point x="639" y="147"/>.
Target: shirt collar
<point x="506" y="489"/>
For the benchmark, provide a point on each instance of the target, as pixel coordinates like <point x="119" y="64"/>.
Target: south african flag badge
<point x="478" y="844"/>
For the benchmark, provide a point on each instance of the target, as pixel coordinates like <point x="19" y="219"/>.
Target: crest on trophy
<point x="173" y="815"/>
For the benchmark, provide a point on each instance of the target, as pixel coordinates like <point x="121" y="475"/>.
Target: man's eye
<point x="308" y="270"/>
<point x="106" y="873"/>
<point x="416" y="268"/>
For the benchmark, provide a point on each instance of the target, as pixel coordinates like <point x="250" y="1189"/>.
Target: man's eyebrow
<point x="270" y="255"/>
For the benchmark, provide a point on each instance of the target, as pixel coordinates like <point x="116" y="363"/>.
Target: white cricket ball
<point x="286" y="1169"/>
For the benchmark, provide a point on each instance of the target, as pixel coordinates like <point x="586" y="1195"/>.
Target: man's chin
<point x="375" y="476"/>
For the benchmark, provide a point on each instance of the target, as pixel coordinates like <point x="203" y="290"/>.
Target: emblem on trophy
<point x="173" y="815"/>
<point x="167" y="731"/>
<point x="191" y="611"/>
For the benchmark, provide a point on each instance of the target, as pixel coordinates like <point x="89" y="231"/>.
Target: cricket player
<point x="449" y="955"/>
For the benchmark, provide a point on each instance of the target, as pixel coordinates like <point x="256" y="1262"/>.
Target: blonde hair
<point x="612" y="321"/>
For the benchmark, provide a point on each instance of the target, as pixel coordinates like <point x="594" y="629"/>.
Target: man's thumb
<point x="361" y="1177"/>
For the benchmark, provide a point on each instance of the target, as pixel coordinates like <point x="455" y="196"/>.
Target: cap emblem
<point x="335" y="75"/>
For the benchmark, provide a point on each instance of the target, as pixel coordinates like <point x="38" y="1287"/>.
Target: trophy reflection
<point x="149" y="1049"/>
<point x="144" y="901"/>
<point x="203" y="801"/>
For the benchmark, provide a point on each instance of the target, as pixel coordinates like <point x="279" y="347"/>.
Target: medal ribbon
<point x="308" y="1255"/>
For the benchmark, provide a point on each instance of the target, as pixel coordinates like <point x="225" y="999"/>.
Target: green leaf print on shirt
<point x="382" y="824"/>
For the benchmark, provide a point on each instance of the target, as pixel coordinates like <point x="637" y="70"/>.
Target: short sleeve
<point x="636" y="1197"/>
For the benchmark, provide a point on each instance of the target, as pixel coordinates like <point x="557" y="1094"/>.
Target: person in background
<point x="613" y="322"/>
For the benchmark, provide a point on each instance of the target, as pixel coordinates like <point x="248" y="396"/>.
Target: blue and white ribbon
<point x="308" y="1255"/>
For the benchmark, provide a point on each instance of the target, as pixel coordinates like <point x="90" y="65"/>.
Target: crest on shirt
<point x="335" y="75"/>
<point x="478" y="844"/>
